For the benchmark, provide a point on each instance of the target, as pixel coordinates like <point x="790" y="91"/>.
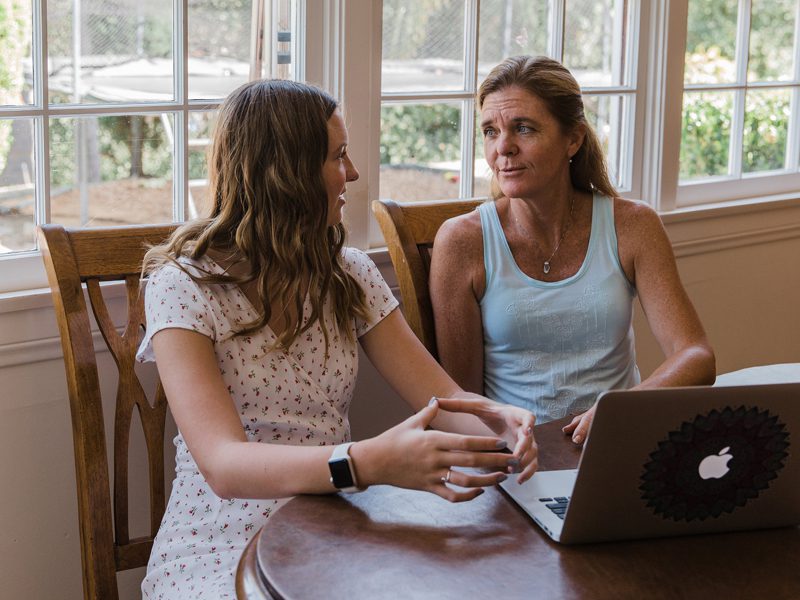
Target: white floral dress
<point x="293" y="398"/>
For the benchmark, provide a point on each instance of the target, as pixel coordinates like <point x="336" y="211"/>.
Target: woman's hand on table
<point x="579" y="426"/>
<point x="511" y="423"/>
<point x="410" y="455"/>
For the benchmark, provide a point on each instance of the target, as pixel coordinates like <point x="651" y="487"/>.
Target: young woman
<point x="253" y="316"/>
<point x="533" y="292"/>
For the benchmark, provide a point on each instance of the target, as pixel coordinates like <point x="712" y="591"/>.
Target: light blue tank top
<point x="553" y="347"/>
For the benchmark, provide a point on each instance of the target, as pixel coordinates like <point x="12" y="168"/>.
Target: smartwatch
<point x="343" y="475"/>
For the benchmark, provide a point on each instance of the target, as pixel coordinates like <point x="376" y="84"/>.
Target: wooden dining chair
<point x="409" y="230"/>
<point x="77" y="261"/>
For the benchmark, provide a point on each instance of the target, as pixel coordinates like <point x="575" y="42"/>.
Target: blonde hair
<point x="269" y="206"/>
<point x="551" y="82"/>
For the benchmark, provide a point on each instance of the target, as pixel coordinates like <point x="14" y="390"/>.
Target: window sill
<point x="694" y="229"/>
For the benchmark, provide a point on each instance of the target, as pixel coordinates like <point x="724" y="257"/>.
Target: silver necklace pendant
<point x="546" y="267"/>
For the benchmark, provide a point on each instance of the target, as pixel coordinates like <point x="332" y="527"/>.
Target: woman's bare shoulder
<point x="635" y="219"/>
<point x="461" y="233"/>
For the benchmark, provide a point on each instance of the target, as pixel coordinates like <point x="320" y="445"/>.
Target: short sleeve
<point x="173" y="300"/>
<point x="379" y="297"/>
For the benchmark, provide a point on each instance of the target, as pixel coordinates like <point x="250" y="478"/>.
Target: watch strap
<point x="339" y="457"/>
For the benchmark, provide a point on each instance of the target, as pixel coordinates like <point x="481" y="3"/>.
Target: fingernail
<point x="433" y="401"/>
<point x="501" y="478"/>
<point x="513" y="462"/>
<point x="577" y="439"/>
<point x="479" y="492"/>
<point x="502" y="444"/>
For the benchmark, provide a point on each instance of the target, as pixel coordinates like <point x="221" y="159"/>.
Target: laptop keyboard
<point x="558" y="505"/>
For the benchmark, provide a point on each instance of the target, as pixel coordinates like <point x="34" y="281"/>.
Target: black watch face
<point x="340" y="473"/>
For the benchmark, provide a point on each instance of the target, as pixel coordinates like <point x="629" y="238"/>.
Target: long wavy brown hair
<point x="269" y="209"/>
<point x="552" y="82"/>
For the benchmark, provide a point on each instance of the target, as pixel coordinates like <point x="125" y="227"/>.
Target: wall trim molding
<point x="41" y="350"/>
<point x="738" y="239"/>
<point x="25" y="344"/>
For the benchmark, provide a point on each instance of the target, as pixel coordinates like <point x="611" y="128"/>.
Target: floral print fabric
<point x="293" y="397"/>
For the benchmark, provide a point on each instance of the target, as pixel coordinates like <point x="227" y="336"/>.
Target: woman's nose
<point x="352" y="172"/>
<point x="506" y="146"/>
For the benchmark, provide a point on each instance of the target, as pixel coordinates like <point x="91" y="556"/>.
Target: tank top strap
<point x="495" y="247"/>
<point x="606" y="232"/>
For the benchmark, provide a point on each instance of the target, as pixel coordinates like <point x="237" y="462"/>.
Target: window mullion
<point x="257" y="39"/>
<point x="298" y="39"/>
<point x="665" y="80"/>
<point x="792" y="161"/>
<point x="471" y="32"/>
<point x="735" y="149"/>
<point x="557" y="18"/>
<point x="41" y="141"/>
<point x="180" y="143"/>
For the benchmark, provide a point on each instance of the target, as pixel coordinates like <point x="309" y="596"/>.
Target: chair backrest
<point x="409" y="230"/>
<point x="74" y="257"/>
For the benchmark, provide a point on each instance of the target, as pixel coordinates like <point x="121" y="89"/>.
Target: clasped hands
<point x="412" y="456"/>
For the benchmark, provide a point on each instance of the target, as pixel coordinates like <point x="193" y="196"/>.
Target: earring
<point x="570" y="161"/>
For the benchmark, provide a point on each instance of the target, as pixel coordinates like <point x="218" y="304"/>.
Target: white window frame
<point x="361" y="36"/>
<point x="341" y="51"/>
<point x="674" y="194"/>
<point x="21" y="271"/>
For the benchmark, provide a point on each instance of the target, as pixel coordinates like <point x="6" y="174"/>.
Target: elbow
<point x="219" y="480"/>
<point x="219" y="485"/>
<point x="707" y="362"/>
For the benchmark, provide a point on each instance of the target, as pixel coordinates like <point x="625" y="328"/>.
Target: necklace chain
<point x="546" y="265"/>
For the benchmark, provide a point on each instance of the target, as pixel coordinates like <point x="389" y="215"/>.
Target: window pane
<point x="771" y="40"/>
<point x="606" y="114"/>
<point x="201" y="125"/>
<point x="111" y="170"/>
<point x="705" y="136"/>
<point x="16" y="65"/>
<point x="16" y="185"/>
<point x="219" y="46"/>
<point x="423" y="45"/>
<point x="594" y="38"/>
<point x="123" y="52"/>
<point x="711" y="41"/>
<point x="766" y="124"/>
<point x="509" y="28"/>
<point x="420" y="151"/>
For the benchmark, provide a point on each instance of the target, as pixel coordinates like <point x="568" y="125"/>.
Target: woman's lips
<point x="511" y="171"/>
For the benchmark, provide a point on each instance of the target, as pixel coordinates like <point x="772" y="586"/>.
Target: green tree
<point x="414" y="134"/>
<point x="15" y="39"/>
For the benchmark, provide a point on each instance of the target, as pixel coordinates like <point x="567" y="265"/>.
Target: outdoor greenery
<point x="710" y="58"/>
<point x="418" y="134"/>
<point x="14" y="44"/>
<point x="423" y="133"/>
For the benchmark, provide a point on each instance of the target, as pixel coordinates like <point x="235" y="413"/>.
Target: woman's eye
<point x="524" y="129"/>
<point x="488" y="132"/>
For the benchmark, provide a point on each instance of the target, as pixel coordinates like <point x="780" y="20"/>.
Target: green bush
<point x="419" y="134"/>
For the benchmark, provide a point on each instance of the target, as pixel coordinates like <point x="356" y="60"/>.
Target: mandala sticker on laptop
<point x="714" y="464"/>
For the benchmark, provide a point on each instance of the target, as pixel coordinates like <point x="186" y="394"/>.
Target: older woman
<point x="253" y="317"/>
<point x="533" y="292"/>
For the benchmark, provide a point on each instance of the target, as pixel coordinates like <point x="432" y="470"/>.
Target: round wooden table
<point x="393" y="543"/>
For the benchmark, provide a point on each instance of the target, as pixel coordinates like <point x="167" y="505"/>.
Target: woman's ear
<point x="575" y="138"/>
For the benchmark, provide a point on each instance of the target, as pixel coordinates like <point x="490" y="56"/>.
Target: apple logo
<point x="715" y="466"/>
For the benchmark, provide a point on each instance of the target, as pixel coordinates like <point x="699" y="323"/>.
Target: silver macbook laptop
<point x="675" y="461"/>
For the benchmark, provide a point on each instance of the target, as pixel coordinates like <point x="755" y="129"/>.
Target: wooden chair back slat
<point x="74" y="257"/>
<point x="409" y="230"/>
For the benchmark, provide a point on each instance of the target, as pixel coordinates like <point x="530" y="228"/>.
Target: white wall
<point x="741" y="269"/>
